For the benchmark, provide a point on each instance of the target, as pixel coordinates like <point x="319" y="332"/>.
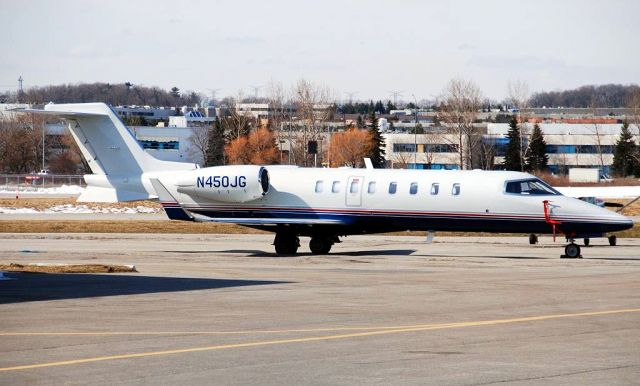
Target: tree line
<point x="115" y="94"/>
<point x="608" y="95"/>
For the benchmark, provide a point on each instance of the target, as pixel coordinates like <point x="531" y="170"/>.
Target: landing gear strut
<point x="572" y="251"/>
<point x="286" y="243"/>
<point x="321" y="245"/>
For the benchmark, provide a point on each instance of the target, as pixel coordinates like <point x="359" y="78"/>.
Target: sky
<point x="367" y="49"/>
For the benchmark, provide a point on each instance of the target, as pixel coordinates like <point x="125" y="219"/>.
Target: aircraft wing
<point x="271" y="221"/>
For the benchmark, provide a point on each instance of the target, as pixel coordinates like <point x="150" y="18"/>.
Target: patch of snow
<point x="80" y="209"/>
<point x="64" y="189"/>
<point x="17" y="210"/>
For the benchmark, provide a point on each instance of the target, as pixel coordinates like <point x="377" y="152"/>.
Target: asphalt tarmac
<point x="223" y="309"/>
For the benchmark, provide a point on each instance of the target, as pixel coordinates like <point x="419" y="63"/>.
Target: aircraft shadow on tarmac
<point x="29" y="287"/>
<point x="382" y="252"/>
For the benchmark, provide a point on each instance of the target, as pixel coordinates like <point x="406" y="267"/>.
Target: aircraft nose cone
<point x="624" y="223"/>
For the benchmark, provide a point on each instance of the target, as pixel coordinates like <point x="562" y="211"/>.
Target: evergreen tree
<point x="512" y="160"/>
<point x="379" y="107"/>
<point x="215" y="148"/>
<point x="390" y="106"/>
<point x="371" y="107"/>
<point x="377" y="151"/>
<point x="537" y="158"/>
<point x="624" y="162"/>
<point x="360" y="122"/>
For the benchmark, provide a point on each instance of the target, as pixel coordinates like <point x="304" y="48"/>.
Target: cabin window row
<point x="392" y="189"/>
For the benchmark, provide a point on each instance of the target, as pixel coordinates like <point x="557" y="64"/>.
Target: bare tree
<point x="598" y="135"/>
<point x="313" y="106"/>
<point x="633" y="104"/>
<point x="461" y="101"/>
<point x="21" y="144"/>
<point x="235" y="123"/>
<point x="199" y="140"/>
<point x="280" y="109"/>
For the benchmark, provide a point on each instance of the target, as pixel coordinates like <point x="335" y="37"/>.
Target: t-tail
<point x="121" y="168"/>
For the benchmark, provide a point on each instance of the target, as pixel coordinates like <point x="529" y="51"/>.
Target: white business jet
<point x="324" y="203"/>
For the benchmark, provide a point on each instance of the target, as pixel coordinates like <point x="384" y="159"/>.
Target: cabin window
<point x="335" y="187"/>
<point x="354" y="186"/>
<point x="372" y="187"/>
<point x="413" y="188"/>
<point x="393" y="186"/>
<point x="455" y="189"/>
<point x="531" y="186"/>
<point x="319" y="185"/>
<point x="435" y="187"/>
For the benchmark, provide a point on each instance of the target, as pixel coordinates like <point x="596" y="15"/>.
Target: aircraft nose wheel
<point x="572" y="251"/>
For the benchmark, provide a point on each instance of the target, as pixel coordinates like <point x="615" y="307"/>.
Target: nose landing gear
<point x="571" y="251"/>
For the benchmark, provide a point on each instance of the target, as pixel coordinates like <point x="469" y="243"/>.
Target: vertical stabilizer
<point x="121" y="168"/>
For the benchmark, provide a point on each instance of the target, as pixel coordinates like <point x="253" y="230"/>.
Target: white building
<point x="167" y="143"/>
<point x="146" y="112"/>
<point x="191" y="119"/>
<point x="569" y="145"/>
<point x="434" y="150"/>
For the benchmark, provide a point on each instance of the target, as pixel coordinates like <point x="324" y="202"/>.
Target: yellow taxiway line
<point x="372" y="332"/>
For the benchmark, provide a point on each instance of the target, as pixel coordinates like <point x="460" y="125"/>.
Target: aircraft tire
<point x="586" y="242"/>
<point x="613" y="240"/>
<point x="320" y="245"/>
<point x="572" y="251"/>
<point x="286" y="243"/>
<point x="533" y="239"/>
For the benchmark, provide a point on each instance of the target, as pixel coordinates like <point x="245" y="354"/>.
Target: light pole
<point x="415" y="133"/>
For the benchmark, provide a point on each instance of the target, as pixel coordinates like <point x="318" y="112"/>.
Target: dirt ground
<point x="67" y="268"/>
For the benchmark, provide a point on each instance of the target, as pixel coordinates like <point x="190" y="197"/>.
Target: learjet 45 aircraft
<point x="324" y="203"/>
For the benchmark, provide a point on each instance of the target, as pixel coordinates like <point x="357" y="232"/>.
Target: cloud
<point x="466" y="47"/>
<point x="246" y="41"/>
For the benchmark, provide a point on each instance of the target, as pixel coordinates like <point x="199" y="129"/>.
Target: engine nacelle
<point x="227" y="183"/>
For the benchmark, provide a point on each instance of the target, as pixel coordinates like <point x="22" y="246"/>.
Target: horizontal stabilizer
<point x="171" y="206"/>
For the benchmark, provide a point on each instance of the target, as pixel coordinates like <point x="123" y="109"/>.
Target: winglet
<point x="171" y="206"/>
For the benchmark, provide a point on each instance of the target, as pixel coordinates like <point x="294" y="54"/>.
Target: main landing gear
<point x="287" y="242"/>
<point x="321" y="245"/>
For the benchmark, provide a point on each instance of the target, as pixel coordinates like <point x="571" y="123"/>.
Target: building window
<point x="159" y="145"/>
<point x="435" y="187"/>
<point x="404" y="148"/>
<point x="393" y="186"/>
<point x="372" y="187"/>
<point x="455" y="189"/>
<point x="413" y="188"/>
<point x="335" y="187"/>
<point x="319" y="186"/>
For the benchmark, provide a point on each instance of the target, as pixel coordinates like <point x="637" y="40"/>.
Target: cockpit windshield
<point x="531" y="186"/>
